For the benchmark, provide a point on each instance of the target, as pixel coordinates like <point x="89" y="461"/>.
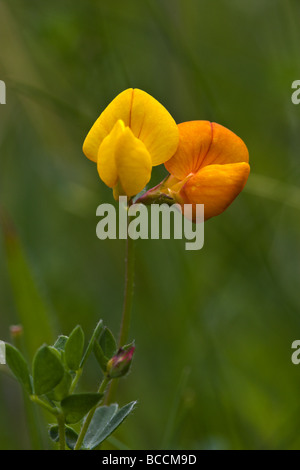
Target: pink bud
<point x="119" y="364"/>
<point x="16" y="331"/>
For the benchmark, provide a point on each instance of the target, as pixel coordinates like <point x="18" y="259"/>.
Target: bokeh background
<point x="213" y="328"/>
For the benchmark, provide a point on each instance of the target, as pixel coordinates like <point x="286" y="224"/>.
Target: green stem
<point x="44" y="405"/>
<point x="128" y="292"/>
<point x="90" y="415"/>
<point x="61" y="432"/>
<point x="75" y="380"/>
<point x="127" y="307"/>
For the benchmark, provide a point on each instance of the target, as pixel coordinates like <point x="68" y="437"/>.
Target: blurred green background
<point x="213" y="328"/>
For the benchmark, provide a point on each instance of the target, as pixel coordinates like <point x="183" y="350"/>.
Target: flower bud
<point x="16" y="334"/>
<point x="119" y="364"/>
<point x="16" y="331"/>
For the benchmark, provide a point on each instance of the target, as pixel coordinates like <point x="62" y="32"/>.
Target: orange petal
<point x="194" y="143"/>
<point x="215" y="186"/>
<point x="204" y="143"/>
<point x="226" y="147"/>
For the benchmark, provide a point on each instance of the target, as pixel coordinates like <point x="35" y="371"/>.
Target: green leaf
<point x="61" y="390"/>
<point x="60" y="343"/>
<point x="18" y="366"/>
<point x="76" y="406"/>
<point x="105" y="421"/>
<point x="32" y="309"/>
<point x="95" y="336"/>
<point x="108" y="343"/>
<point x="47" y="370"/>
<point x="56" y="353"/>
<point x="101" y="358"/>
<point x="129" y="346"/>
<point x="71" y="435"/>
<point x="74" y="348"/>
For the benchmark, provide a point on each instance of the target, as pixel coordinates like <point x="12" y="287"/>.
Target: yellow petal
<point x="106" y="163"/>
<point x="204" y="143"/>
<point x="133" y="163"/>
<point x="215" y="186"/>
<point x="154" y="126"/>
<point x="148" y="120"/>
<point x="118" y="109"/>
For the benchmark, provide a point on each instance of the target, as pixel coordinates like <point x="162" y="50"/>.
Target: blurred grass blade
<point x="271" y="188"/>
<point x="31" y="309"/>
<point x="173" y="414"/>
<point x="179" y="48"/>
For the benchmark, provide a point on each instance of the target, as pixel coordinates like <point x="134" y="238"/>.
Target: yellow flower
<point x="134" y="133"/>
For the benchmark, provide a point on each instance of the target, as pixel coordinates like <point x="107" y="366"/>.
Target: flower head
<point x="134" y="133"/>
<point x="210" y="167"/>
<point x="119" y="364"/>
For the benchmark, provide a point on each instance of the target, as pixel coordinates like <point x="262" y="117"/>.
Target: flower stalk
<point x="61" y="432"/>
<point x="127" y="304"/>
<point x="128" y="291"/>
<point x="90" y="415"/>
